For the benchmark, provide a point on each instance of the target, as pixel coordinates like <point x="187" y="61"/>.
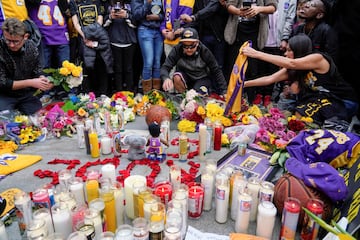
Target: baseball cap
<point x="321" y="176"/>
<point x="189" y="34"/>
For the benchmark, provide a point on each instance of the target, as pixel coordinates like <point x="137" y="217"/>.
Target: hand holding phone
<point x="176" y="25"/>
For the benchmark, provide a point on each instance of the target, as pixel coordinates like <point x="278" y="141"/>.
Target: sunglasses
<point x="192" y="46"/>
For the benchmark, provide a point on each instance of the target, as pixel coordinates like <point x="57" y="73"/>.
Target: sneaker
<point x="267" y="100"/>
<point x="258" y="99"/>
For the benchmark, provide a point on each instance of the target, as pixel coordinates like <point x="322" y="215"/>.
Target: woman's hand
<point x="249" y="51"/>
<point x="168" y="85"/>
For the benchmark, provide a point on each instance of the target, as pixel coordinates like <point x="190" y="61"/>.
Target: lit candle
<point x="3" y="234"/>
<point x="164" y="191"/>
<point x="217" y="136"/>
<point x="76" y="187"/>
<point x="310" y="228"/>
<point x="108" y="171"/>
<point x="94" y="144"/>
<point x="62" y="220"/>
<point x="253" y="188"/>
<point x="44" y="213"/>
<point x="265" y="219"/>
<point x="105" y="144"/>
<point x="207" y="179"/>
<point x="129" y="199"/>
<point x="289" y="219"/>
<point x="202" y="141"/>
<point x="222" y="191"/>
<point x="175" y="176"/>
<point x="196" y="199"/>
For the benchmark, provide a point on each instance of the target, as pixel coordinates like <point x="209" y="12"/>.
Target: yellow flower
<point x="186" y="126"/>
<point x="64" y="71"/>
<point x="20" y="119"/>
<point x="224" y="139"/>
<point x="255" y="111"/>
<point x="76" y="72"/>
<point x="162" y="103"/>
<point x="201" y="111"/>
<point x="245" y="120"/>
<point x="81" y="112"/>
<point x="293" y="117"/>
<point x="226" y="122"/>
<point x="66" y="64"/>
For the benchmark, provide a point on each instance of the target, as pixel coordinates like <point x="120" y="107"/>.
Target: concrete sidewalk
<point x="67" y="148"/>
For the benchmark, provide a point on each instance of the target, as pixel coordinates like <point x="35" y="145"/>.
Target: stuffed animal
<point x="136" y="145"/>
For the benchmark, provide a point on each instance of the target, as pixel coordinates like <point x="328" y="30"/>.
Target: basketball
<point x="157" y="113"/>
<point x="290" y="186"/>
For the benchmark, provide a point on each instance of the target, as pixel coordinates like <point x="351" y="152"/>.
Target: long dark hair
<point x="301" y="45"/>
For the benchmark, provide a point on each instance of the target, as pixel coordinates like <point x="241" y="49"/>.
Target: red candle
<point x="310" y="228"/>
<point x="196" y="199"/>
<point x="217" y="136"/>
<point x="289" y="220"/>
<point x="164" y="191"/>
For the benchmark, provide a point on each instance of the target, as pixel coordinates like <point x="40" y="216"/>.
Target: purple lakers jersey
<point x="51" y="22"/>
<point x="330" y="146"/>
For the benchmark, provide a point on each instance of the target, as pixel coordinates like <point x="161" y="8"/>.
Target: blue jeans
<point x="151" y="45"/>
<point x="60" y="52"/>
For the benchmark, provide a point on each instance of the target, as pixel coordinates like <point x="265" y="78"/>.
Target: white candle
<point x="222" y="202"/>
<point x="62" y="220"/>
<point x="129" y="199"/>
<point x="175" y="176"/>
<point x="77" y="189"/>
<point x="93" y="217"/>
<point x="108" y="171"/>
<point x="253" y="188"/>
<point x="239" y="186"/>
<point x="202" y="141"/>
<point x="207" y="178"/>
<point x="22" y="203"/>
<point x="3" y="234"/>
<point x="64" y="177"/>
<point x="243" y="212"/>
<point x="105" y="145"/>
<point x="119" y="203"/>
<point x="44" y="213"/>
<point x="265" y="219"/>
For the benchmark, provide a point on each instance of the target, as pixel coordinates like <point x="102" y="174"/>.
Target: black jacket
<point x="96" y="32"/>
<point x="201" y="64"/>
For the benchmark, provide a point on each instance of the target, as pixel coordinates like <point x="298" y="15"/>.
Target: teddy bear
<point x="136" y="145"/>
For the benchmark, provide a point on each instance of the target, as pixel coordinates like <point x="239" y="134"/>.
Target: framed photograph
<point x="253" y="163"/>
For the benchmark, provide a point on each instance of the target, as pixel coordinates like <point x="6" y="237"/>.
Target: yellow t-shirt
<point x="14" y="8"/>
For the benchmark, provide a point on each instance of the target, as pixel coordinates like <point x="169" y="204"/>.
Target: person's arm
<point x="41" y="83"/>
<point x="278" y="76"/>
<point x="251" y="12"/>
<point x="165" y="69"/>
<point x="314" y="61"/>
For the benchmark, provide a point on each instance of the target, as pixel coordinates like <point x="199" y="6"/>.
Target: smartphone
<point x="95" y="44"/>
<point x="246" y="4"/>
<point x="176" y="25"/>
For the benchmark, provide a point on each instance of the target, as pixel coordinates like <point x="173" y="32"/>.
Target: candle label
<point x="245" y="205"/>
<point x="220" y="194"/>
<point x="195" y="205"/>
<point x="117" y="144"/>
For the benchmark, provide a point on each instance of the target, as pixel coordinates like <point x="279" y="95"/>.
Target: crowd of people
<point x="300" y="55"/>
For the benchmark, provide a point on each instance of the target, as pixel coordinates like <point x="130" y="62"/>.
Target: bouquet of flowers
<point x="68" y="76"/>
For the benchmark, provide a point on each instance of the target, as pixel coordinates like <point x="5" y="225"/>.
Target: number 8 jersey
<point x="51" y="22"/>
<point x="334" y="147"/>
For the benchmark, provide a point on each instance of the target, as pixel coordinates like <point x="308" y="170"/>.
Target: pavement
<point x="67" y="148"/>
